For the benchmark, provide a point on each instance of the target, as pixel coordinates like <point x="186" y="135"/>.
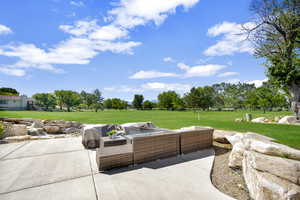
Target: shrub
<point x="112" y="132"/>
<point x="1" y="129"/>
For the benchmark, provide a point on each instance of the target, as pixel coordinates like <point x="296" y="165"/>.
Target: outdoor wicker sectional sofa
<point x="151" y="145"/>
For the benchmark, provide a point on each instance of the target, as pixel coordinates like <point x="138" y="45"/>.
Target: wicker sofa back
<point x="153" y="147"/>
<point x="195" y="140"/>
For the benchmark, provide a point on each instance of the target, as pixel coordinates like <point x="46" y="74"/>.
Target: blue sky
<point x="125" y="47"/>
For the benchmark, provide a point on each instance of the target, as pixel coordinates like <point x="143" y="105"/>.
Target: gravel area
<point x="227" y="180"/>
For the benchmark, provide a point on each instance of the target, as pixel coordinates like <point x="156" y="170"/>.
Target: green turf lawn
<point x="286" y="134"/>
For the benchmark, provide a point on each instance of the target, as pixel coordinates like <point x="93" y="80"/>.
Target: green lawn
<point x="286" y="134"/>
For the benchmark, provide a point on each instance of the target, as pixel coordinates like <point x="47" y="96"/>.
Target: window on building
<point x="3" y="101"/>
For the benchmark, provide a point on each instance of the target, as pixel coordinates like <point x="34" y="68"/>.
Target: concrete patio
<point x="62" y="169"/>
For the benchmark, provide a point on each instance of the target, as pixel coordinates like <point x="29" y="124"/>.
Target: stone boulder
<point x="24" y="121"/>
<point x="17" y="130"/>
<point x="91" y="134"/>
<point x="242" y="142"/>
<point x="288" y="120"/>
<point x="281" y="167"/>
<point x="62" y="124"/>
<point x="52" y="129"/>
<point x="271" y="178"/>
<point x="277" y="118"/>
<point x="35" y="131"/>
<point x="259" y="120"/>
<point x="220" y="136"/>
<point x="72" y="130"/>
<point x="239" y="120"/>
<point x="37" y="124"/>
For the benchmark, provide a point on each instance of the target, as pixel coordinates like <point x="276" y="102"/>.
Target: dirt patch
<point x="227" y="180"/>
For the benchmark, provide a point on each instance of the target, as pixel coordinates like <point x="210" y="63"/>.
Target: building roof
<point x="8" y="97"/>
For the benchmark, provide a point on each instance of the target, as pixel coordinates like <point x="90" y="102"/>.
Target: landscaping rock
<point x="37" y="124"/>
<point x="92" y="133"/>
<point x="288" y="120"/>
<point x="30" y="137"/>
<point x="242" y="142"/>
<point x="273" y="149"/>
<point x="281" y="167"/>
<point x="239" y="120"/>
<point x="266" y="186"/>
<point x="18" y="138"/>
<point x="52" y="129"/>
<point x="220" y="136"/>
<point x="277" y="118"/>
<point x="24" y="121"/>
<point x="72" y="130"/>
<point x="36" y="131"/>
<point x="236" y="155"/>
<point x="62" y="124"/>
<point x="17" y="130"/>
<point x="259" y="120"/>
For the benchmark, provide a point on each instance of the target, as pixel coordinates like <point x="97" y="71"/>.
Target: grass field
<point x="285" y="134"/>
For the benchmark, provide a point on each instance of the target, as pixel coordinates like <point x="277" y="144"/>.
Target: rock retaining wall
<point x="22" y="129"/>
<point x="271" y="170"/>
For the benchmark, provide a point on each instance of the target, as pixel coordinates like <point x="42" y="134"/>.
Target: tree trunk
<point x="295" y="104"/>
<point x="68" y="107"/>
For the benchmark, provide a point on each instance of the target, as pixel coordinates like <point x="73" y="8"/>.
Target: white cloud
<point x="80" y="27"/>
<point x="225" y="74"/>
<point x="88" y="39"/>
<point x="233" y="81"/>
<point x="77" y="3"/>
<point x="12" y="71"/>
<point x="123" y="88"/>
<point x="200" y="70"/>
<point x="257" y="83"/>
<point x="131" y="13"/>
<point x="233" y="40"/>
<point x="4" y="30"/>
<point x="166" y="86"/>
<point x="72" y="51"/>
<point x="109" y="32"/>
<point x="151" y="74"/>
<point x="151" y="86"/>
<point x="168" y="59"/>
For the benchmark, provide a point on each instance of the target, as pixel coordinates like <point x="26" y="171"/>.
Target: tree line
<point x="217" y="96"/>
<point x="226" y="95"/>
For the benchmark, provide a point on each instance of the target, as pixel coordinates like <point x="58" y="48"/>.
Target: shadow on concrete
<point x="161" y="163"/>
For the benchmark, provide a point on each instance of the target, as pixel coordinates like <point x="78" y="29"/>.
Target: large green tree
<point x="148" y="105"/>
<point x="45" y="100"/>
<point x="9" y="91"/>
<point x="107" y="103"/>
<point x="97" y="100"/>
<point x="201" y="97"/>
<point x="266" y="97"/>
<point x="119" y="104"/>
<point x="70" y="99"/>
<point x="138" y="101"/>
<point x="59" y="96"/>
<point x="169" y="100"/>
<point x="276" y="36"/>
<point x="232" y="95"/>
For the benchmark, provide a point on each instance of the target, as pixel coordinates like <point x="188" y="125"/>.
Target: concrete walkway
<point x="62" y="169"/>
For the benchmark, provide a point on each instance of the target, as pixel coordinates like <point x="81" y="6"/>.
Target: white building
<point x="15" y="102"/>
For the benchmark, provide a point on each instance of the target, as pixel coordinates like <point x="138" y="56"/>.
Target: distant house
<point x="8" y="102"/>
